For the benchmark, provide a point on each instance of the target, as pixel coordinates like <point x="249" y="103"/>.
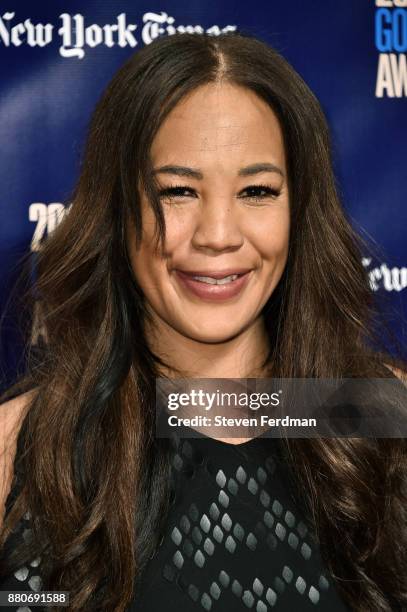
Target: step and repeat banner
<point x="57" y="57"/>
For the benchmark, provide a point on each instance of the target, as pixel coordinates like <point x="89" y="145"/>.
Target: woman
<point x="209" y="157"/>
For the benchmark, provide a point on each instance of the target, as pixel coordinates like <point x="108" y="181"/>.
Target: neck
<point x="238" y="357"/>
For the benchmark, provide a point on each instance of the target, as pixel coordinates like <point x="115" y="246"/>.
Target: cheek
<point x="179" y="230"/>
<point x="149" y="264"/>
<point x="271" y="235"/>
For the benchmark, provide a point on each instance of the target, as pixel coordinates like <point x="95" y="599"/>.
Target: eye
<point x="259" y="192"/>
<point x="255" y="193"/>
<point x="176" y="191"/>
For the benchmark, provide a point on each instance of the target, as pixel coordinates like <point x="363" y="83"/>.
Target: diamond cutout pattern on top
<point x="214" y="527"/>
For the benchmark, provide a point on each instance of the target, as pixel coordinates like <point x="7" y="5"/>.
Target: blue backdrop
<point x="57" y="57"/>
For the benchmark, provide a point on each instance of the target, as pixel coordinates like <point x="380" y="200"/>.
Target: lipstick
<point x="214" y="286"/>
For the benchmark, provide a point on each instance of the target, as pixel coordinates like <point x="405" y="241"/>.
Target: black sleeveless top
<point x="235" y="538"/>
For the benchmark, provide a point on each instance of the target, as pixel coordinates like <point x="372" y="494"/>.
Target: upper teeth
<point x="216" y="281"/>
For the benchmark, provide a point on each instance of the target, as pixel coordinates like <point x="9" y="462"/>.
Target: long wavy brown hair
<point x="89" y="469"/>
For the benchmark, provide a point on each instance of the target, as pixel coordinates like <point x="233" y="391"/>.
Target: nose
<point x="217" y="226"/>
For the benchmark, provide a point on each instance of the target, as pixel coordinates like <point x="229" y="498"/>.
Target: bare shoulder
<point x="401" y="374"/>
<point x="12" y="414"/>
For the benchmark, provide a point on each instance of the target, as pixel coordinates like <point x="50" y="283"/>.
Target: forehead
<point x="222" y="123"/>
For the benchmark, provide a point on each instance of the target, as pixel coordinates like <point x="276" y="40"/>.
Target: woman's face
<point x="220" y="162"/>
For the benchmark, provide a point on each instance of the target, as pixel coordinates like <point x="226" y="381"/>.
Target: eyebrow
<point x="198" y="174"/>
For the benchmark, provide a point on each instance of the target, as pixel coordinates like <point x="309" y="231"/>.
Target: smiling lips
<point x="214" y="285"/>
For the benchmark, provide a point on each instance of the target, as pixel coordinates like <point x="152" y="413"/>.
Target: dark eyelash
<point x="174" y="191"/>
<point x="269" y="191"/>
<point x="177" y="191"/>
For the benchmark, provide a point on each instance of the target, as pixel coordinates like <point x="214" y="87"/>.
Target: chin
<point x="212" y="334"/>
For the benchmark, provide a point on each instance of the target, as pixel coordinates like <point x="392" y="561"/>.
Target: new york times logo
<point x="76" y="34"/>
<point x="383" y="277"/>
